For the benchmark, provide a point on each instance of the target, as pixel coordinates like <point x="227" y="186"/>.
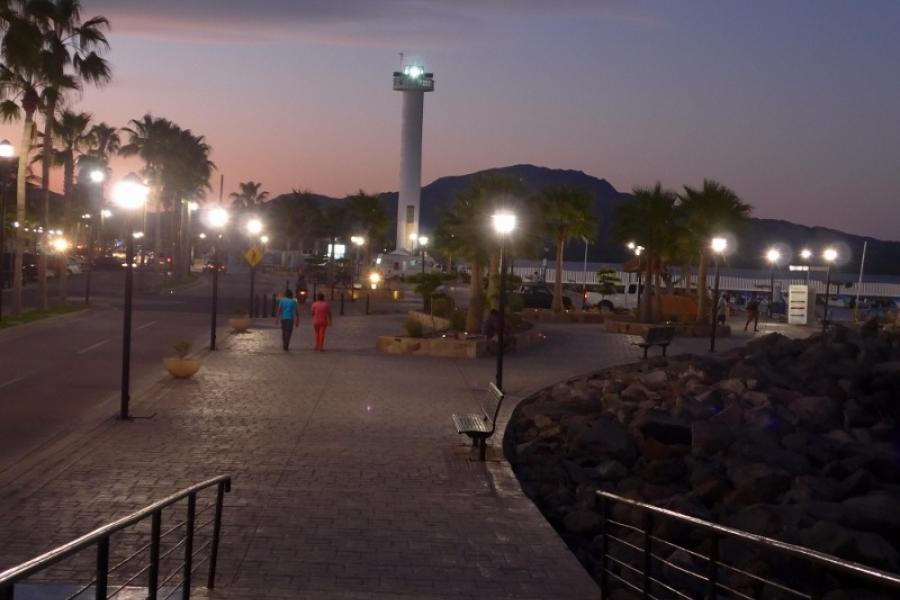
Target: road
<point x="64" y="373"/>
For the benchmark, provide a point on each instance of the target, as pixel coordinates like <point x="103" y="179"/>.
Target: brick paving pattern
<point x="348" y="478"/>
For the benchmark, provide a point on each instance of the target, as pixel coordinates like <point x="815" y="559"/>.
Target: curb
<point x="47" y="320"/>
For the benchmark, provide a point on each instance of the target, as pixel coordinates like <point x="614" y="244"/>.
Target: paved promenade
<point x="349" y="480"/>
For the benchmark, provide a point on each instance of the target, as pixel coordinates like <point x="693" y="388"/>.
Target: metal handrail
<point x="720" y="531"/>
<point x="100" y="538"/>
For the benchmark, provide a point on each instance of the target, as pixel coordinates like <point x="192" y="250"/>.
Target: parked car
<point x="209" y="267"/>
<point x="540" y="296"/>
<point x="107" y="263"/>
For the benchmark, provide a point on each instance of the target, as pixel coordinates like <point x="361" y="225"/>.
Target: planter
<point x="239" y="324"/>
<point x="182" y="368"/>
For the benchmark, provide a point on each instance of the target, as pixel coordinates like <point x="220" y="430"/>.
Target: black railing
<point x="101" y="537"/>
<point x="632" y="556"/>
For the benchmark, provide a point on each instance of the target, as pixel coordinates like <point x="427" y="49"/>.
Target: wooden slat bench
<point x="657" y="336"/>
<point x="480" y="427"/>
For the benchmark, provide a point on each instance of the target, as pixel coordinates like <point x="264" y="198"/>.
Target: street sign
<point x="253" y="255"/>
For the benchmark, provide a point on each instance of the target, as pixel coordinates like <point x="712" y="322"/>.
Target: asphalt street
<point x="64" y="373"/>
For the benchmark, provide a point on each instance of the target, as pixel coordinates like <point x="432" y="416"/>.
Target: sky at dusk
<point x="795" y="105"/>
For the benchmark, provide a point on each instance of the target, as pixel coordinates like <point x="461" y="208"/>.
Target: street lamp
<point x="423" y="242"/>
<point x="97" y="177"/>
<point x="773" y="255"/>
<point x="7" y="159"/>
<point x="374" y="280"/>
<point x="718" y="245"/>
<point x="806" y="254"/>
<point x="637" y="250"/>
<point x="217" y="219"/>
<point x="357" y="241"/>
<point x="130" y="194"/>
<point x="504" y="224"/>
<point x="830" y="255"/>
<point x="254" y="228"/>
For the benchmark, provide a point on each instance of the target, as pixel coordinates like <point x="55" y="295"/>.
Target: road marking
<point x="10" y="382"/>
<point x="92" y="347"/>
<point x="146" y="325"/>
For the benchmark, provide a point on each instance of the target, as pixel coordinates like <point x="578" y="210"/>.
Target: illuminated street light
<point x="60" y="245"/>
<point x="773" y="255"/>
<point x="193" y="206"/>
<point x="106" y="213"/>
<point x="254" y="227"/>
<point x="130" y="194"/>
<point x="504" y="223"/>
<point x="358" y="241"/>
<point x="423" y="242"/>
<point x="264" y="239"/>
<point x="7" y="165"/>
<point x="829" y="255"/>
<point x="806" y="254"/>
<point x="374" y="279"/>
<point x="7" y="150"/>
<point x="97" y="175"/>
<point x="216" y="218"/>
<point x="718" y="245"/>
<point x="138" y="235"/>
<point x="202" y="236"/>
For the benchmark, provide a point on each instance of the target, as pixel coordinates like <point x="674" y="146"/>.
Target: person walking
<point x="289" y="317"/>
<point x="321" y="319"/>
<point x="752" y="313"/>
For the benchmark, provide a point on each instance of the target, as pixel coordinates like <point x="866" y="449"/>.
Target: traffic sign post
<point x="253" y="256"/>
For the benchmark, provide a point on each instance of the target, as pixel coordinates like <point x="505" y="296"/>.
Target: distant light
<point x="60" y="244"/>
<point x="98" y="175"/>
<point x="413" y="237"/>
<point x="7" y="150"/>
<point x="264" y="239"/>
<point x="830" y="254"/>
<point x="86" y="216"/>
<point x="106" y="213"/>
<point x="202" y="236"/>
<point x="192" y="206"/>
<point x="638" y="250"/>
<point x="414" y="71"/>
<point x="773" y="256"/>
<point x="806" y="254"/>
<point x="138" y="235"/>
<point x="254" y="226"/>
<point x="631" y="245"/>
<point x="130" y="193"/>
<point x="217" y="217"/>
<point x="358" y="240"/>
<point x="719" y="245"/>
<point x="504" y="222"/>
<point x="423" y="240"/>
<point x="374" y="279"/>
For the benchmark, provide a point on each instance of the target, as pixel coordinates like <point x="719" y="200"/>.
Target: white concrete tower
<point x="413" y="81"/>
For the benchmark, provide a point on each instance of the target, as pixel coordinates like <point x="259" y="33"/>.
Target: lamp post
<point x="584" y="275"/>
<point x="254" y="228"/>
<point x="216" y="219"/>
<point x="192" y="207"/>
<point x="718" y="245"/>
<point x="97" y="177"/>
<point x="357" y="241"/>
<point x="504" y="224"/>
<point x="130" y="194"/>
<point x="637" y="251"/>
<point x="806" y="254"/>
<point x="423" y="242"/>
<point x="773" y="255"/>
<point x="7" y="159"/>
<point x="374" y="280"/>
<point x="830" y="255"/>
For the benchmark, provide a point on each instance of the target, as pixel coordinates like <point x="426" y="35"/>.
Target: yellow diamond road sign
<point x="253" y="255"/>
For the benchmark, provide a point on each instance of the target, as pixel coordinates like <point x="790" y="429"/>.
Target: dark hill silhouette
<point x="883" y="257"/>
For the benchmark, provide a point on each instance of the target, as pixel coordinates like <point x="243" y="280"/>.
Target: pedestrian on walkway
<point x="289" y="317"/>
<point x="752" y="313"/>
<point x="321" y="319"/>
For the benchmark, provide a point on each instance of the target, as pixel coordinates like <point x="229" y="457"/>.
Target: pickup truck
<point x="540" y="296"/>
<point x="624" y="298"/>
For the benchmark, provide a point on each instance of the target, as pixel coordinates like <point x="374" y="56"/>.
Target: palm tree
<point x="71" y="51"/>
<point x="296" y="217"/>
<point x="368" y="215"/>
<point x="249" y="197"/>
<point x="648" y="220"/>
<point x="104" y="141"/>
<point x="23" y="77"/>
<point x="566" y="213"/>
<point x="73" y="131"/>
<point x="465" y="231"/>
<point x="712" y="210"/>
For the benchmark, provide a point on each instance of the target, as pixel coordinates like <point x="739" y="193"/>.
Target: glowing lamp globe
<point x="504" y="222"/>
<point x="830" y="255"/>
<point x="414" y="71"/>
<point x="423" y="240"/>
<point x="806" y="254"/>
<point x="130" y="193"/>
<point x="719" y="245"/>
<point x="97" y="175"/>
<point x="773" y="255"/>
<point x="254" y="226"/>
<point x="6" y="149"/>
<point x="358" y="240"/>
<point x="217" y="218"/>
<point x="60" y="244"/>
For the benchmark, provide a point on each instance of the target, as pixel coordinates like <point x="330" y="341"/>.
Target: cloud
<point x="350" y="22"/>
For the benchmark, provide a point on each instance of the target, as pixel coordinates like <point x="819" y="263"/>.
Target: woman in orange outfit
<point x="321" y="319"/>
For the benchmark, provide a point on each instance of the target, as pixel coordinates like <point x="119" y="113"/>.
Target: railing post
<point x="189" y="546"/>
<point x="712" y="569"/>
<point x="153" y="573"/>
<point x="648" y="558"/>
<point x="217" y="529"/>
<point x="102" y="575"/>
<point x="604" y="547"/>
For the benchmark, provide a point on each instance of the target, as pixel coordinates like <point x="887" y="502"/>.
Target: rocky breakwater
<point x="794" y="439"/>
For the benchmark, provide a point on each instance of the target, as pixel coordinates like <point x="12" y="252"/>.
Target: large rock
<point x="816" y="413"/>
<point x="876" y="511"/>
<point x="864" y="547"/>
<point x="710" y="438"/>
<point x="603" y="436"/>
<point x="756" y="483"/>
<point x="582" y="520"/>
<point x="664" y="428"/>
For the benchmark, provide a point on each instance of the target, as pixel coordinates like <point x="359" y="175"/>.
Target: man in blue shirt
<point x="289" y="317"/>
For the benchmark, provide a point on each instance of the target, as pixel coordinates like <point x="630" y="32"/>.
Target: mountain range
<point x="882" y="257"/>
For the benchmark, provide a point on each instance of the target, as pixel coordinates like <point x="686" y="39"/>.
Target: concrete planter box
<point x="545" y="315"/>
<point x="681" y="329"/>
<point x="452" y="347"/>
<point x="429" y="322"/>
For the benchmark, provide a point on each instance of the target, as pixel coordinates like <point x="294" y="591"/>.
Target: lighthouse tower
<point x="413" y="81"/>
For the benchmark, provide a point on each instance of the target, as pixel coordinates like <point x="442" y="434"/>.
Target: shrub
<point x="515" y="303"/>
<point x="426" y="284"/>
<point x="183" y="348"/>
<point x="458" y="320"/>
<point x="413" y="328"/>
<point x="442" y="305"/>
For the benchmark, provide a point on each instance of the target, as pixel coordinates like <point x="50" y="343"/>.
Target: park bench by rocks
<point x="657" y="336"/>
<point x="480" y="427"/>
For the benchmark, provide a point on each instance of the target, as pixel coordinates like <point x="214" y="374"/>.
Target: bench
<point x="657" y="336"/>
<point x="480" y="427"/>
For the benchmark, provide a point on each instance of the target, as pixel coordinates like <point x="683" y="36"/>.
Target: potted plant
<point x="182" y="366"/>
<point x="239" y="321"/>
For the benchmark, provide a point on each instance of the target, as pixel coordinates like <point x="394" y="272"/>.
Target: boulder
<point x="710" y="438"/>
<point x="638" y="391"/>
<point x="582" y="520"/>
<point x="603" y="436"/>
<point x="735" y="386"/>
<point x="611" y="470"/>
<point x="664" y="428"/>
<point x="654" y="379"/>
<point x="876" y="511"/>
<point x="864" y="547"/>
<point x="662" y="472"/>
<point x="756" y="483"/>
<point x="543" y="421"/>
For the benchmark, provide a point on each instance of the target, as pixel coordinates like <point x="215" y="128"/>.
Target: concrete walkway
<point x="349" y="480"/>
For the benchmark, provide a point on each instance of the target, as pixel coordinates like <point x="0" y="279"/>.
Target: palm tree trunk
<point x="702" y="273"/>
<point x="657" y="289"/>
<point x="21" y="190"/>
<point x="46" y="161"/>
<point x="157" y="236"/>
<point x="557" y="305"/>
<point x="476" y="299"/>
<point x="686" y="278"/>
<point x="646" y="297"/>
<point x="68" y="185"/>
